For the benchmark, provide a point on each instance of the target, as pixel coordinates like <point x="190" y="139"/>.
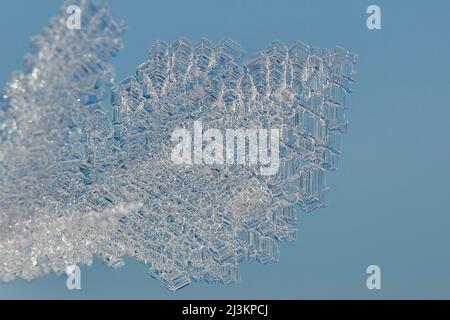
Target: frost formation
<point x="77" y="182"/>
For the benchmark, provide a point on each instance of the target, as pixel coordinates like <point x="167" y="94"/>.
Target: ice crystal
<point x="45" y="206"/>
<point x="63" y="159"/>
<point x="199" y="222"/>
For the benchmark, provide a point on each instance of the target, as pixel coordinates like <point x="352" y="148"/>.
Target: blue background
<point x="389" y="199"/>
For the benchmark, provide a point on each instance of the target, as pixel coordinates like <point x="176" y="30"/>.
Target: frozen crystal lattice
<point x="187" y="223"/>
<point x="46" y="219"/>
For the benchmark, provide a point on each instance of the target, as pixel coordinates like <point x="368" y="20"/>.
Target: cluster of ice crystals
<point x="198" y="222"/>
<point x="46" y="219"/>
<point x="76" y="182"/>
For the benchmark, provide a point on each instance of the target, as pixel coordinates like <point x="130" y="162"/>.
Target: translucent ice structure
<point x="46" y="219"/>
<point x="76" y="183"/>
<point x="198" y="222"/>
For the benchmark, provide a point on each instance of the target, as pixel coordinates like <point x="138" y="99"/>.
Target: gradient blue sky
<point x="389" y="200"/>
